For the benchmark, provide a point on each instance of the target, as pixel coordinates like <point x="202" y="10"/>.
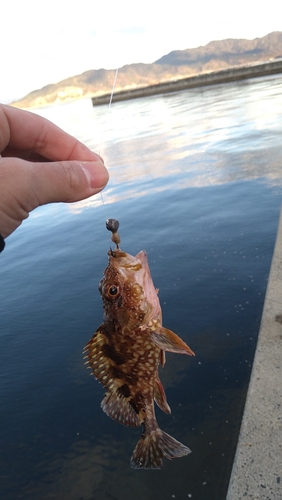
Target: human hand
<point x="41" y="164"/>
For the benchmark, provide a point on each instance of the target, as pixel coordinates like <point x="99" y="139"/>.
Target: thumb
<point x="25" y="186"/>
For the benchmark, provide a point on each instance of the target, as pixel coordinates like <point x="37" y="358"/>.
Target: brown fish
<point x="126" y="350"/>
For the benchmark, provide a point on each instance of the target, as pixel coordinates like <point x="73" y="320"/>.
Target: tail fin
<point x="152" y="447"/>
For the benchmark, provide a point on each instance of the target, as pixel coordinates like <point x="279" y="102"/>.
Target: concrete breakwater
<point x="257" y="468"/>
<point x="216" y="77"/>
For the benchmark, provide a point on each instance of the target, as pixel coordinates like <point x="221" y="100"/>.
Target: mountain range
<point x="214" y="56"/>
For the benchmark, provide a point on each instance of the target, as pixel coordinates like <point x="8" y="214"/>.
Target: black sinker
<point x="112" y="225"/>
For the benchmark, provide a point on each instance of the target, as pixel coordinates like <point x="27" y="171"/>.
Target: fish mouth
<point x="137" y="269"/>
<point x="148" y="286"/>
<point x="116" y="253"/>
<point x="143" y="257"/>
<point x="124" y="261"/>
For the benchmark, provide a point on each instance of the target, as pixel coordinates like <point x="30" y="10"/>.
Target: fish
<point x="126" y="350"/>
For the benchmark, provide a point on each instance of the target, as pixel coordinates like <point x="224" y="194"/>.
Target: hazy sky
<point x="45" y="41"/>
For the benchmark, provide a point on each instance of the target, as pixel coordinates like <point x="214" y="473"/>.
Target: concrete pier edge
<point x="257" y="467"/>
<point x="203" y="79"/>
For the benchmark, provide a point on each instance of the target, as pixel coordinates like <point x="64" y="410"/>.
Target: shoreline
<point x="213" y="78"/>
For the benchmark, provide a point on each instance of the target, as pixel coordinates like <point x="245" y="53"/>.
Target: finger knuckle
<point x="72" y="178"/>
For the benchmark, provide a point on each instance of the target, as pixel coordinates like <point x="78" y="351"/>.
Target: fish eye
<point x="113" y="290"/>
<point x="110" y="291"/>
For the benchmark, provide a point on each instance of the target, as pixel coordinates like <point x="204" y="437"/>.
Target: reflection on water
<point x="193" y="138"/>
<point x="199" y="173"/>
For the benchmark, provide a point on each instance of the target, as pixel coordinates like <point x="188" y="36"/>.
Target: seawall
<point x="257" y="468"/>
<point x="216" y="77"/>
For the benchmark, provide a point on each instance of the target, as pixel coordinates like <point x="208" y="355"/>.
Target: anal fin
<point x="160" y="397"/>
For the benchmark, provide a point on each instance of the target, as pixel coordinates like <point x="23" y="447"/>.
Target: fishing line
<point x="109" y="108"/>
<point x="104" y="129"/>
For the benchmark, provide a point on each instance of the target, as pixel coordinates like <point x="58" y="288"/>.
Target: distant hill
<point x="229" y="52"/>
<point x="214" y="56"/>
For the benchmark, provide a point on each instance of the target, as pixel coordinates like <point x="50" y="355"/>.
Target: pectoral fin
<point x="168" y="341"/>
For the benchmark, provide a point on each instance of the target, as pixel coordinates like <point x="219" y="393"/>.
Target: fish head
<point x="127" y="289"/>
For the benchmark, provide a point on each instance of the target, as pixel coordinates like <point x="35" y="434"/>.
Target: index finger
<point x="23" y="130"/>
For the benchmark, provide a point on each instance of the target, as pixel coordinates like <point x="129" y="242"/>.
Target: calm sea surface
<point x="196" y="180"/>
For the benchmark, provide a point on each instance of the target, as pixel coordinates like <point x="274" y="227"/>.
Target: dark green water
<point x="196" y="180"/>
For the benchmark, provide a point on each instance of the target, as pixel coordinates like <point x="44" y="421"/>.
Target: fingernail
<point x="96" y="174"/>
